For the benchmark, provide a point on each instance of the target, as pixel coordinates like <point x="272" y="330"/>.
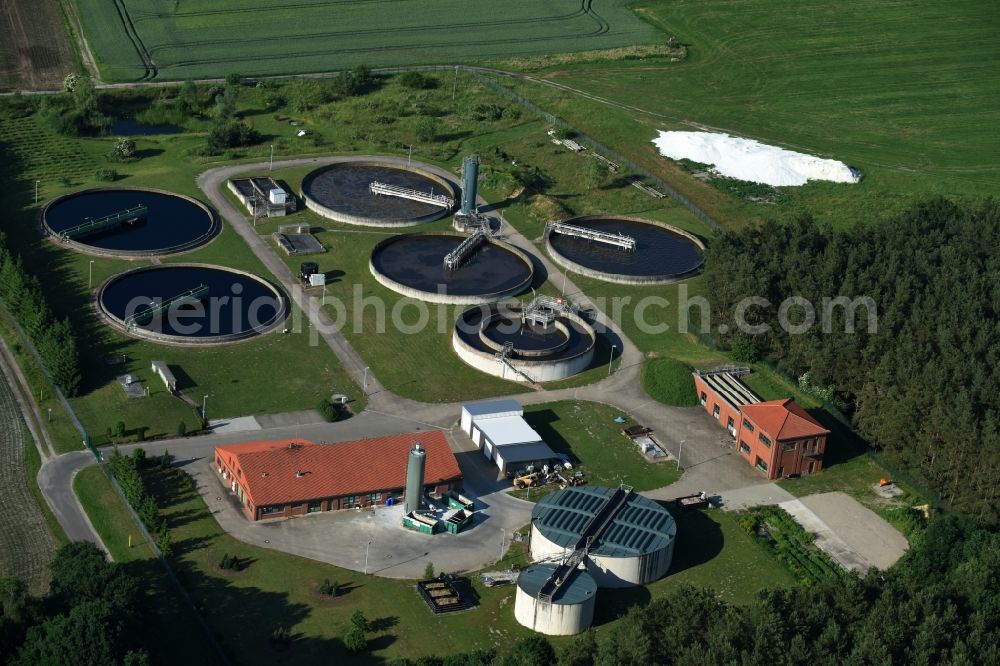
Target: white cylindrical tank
<point x="570" y="610"/>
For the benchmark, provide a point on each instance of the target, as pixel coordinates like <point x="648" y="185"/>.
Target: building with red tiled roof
<point x="295" y="477"/>
<point x="777" y="437"/>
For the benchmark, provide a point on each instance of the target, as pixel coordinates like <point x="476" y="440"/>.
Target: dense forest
<point x="93" y="614"/>
<point x="925" y="384"/>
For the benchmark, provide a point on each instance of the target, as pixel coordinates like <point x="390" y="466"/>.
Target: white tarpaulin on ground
<point x="746" y="159"/>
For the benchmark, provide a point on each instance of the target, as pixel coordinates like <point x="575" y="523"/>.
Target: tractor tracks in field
<point x="133" y="36"/>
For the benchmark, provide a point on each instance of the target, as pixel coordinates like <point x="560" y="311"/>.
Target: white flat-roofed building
<point x="499" y="430"/>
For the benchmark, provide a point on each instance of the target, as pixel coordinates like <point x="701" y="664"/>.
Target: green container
<point x="458" y="521"/>
<point x="419" y="525"/>
<point x="459" y="501"/>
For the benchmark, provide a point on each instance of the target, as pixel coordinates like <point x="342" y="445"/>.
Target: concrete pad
<point x="743" y="498"/>
<point x="238" y="424"/>
<point x="133" y="389"/>
<point x="863" y="531"/>
<point x="826" y="539"/>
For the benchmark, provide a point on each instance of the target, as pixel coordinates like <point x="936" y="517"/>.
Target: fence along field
<point x="195" y="39"/>
<point x="34" y="48"/>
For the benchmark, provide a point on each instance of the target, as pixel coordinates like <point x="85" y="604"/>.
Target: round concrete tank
<point x="470" y="179"/>
<point x="414" y="478"/>
<point x="570" y="610"/>
<point x="635" y="548"/>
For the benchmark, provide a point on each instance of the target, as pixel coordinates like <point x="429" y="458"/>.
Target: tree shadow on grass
<point x="699" y="538"/>
<point x="843" y="444"/>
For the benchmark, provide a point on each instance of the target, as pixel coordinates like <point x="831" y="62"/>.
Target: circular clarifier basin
<point x="191" y="304"/>
<point x="342" y="192"/>
<point x="499" y="340"/>
<point x="414" y="265"/>
<point x="662" y="253"/>
<point x="129" y="222"/>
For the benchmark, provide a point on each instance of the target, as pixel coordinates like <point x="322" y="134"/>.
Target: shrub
<point x="124" y="149"/>
<point x="360" y="622"/>
<point x="119" y="429"/>
<point x="107" y="175"/>
<point x="426" y="129"/>
<point x="328" y="411"/>
<point x="429" y="571"/>
<point x="139" y="457"/>
<point x="327" y="587"/>
<point x="233" y="79"/>
<point x="182" y="429"/>
<point x="355" y="641"/>
<point x="743" y="350"/>
<point x="281" y="637"/>
<point x="164" y="543"/>
<point x="417" y="81"/>
<point x="231" y="134"/>
<point x="165" y="460"/>
<point x="670" y="382"/>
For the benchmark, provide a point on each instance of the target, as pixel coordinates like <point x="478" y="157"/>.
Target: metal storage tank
<point x="571" y="608"/>
<point x="629" y="538"/>
<point x="470" y="178"/>
<point x="414" y="479"/>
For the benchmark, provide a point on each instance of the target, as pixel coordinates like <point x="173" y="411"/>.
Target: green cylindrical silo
<point x="414" y="478"/>
<point x="470" y="176"/>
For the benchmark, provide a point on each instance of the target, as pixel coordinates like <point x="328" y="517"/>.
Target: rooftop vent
<point x="299" y="474"/>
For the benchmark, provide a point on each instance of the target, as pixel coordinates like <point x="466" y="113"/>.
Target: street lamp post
<point x="90" y="276"/>
<point x="271" y="163"/>
<point x="611" y="358"/>
<point x="364" y="388"/>
<point x="36" y="190"/>
<point x="503" y="539"/>
<point x="564" y="284"/>
<point x="409" y="155"/>
<point x="679" y="452"/>
<point x="204" y="402"/>
<point x="367" y="549"/>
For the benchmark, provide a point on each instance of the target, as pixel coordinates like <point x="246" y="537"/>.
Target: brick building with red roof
<point x="295" y="477"/>
<point x="777" y="437"/>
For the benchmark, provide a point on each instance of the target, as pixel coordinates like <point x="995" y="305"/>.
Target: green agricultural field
<point x="143" y="39"/>
<point x="904" y="91"/>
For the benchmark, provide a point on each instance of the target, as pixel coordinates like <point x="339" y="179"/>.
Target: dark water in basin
<point x="418" y="261"/>
<point x="234" y="304"/>
<point x="658" y="251"/>
<point x="170" y="222"/>
<point x="344" y="188"/>
<point x="132" y="127"/>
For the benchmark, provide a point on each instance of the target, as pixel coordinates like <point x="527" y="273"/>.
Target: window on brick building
<point x="748" y="425"/>
<point x="373" y="498"/>
<point x="761" y="464"/>
<point x="350" y="501"/>
<point x="789" y="446"/>
<point x="704" y="398"/>
<point x="277" y="508"/>
<point x="744" y="447"/>
<point x="715" y="410"/>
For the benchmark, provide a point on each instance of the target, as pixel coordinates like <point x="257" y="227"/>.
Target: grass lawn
<point x="172" y="618"/>
<point x="588" y="434"/>
<point x="191" y="41"/>
<point x="854" y="82"/>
